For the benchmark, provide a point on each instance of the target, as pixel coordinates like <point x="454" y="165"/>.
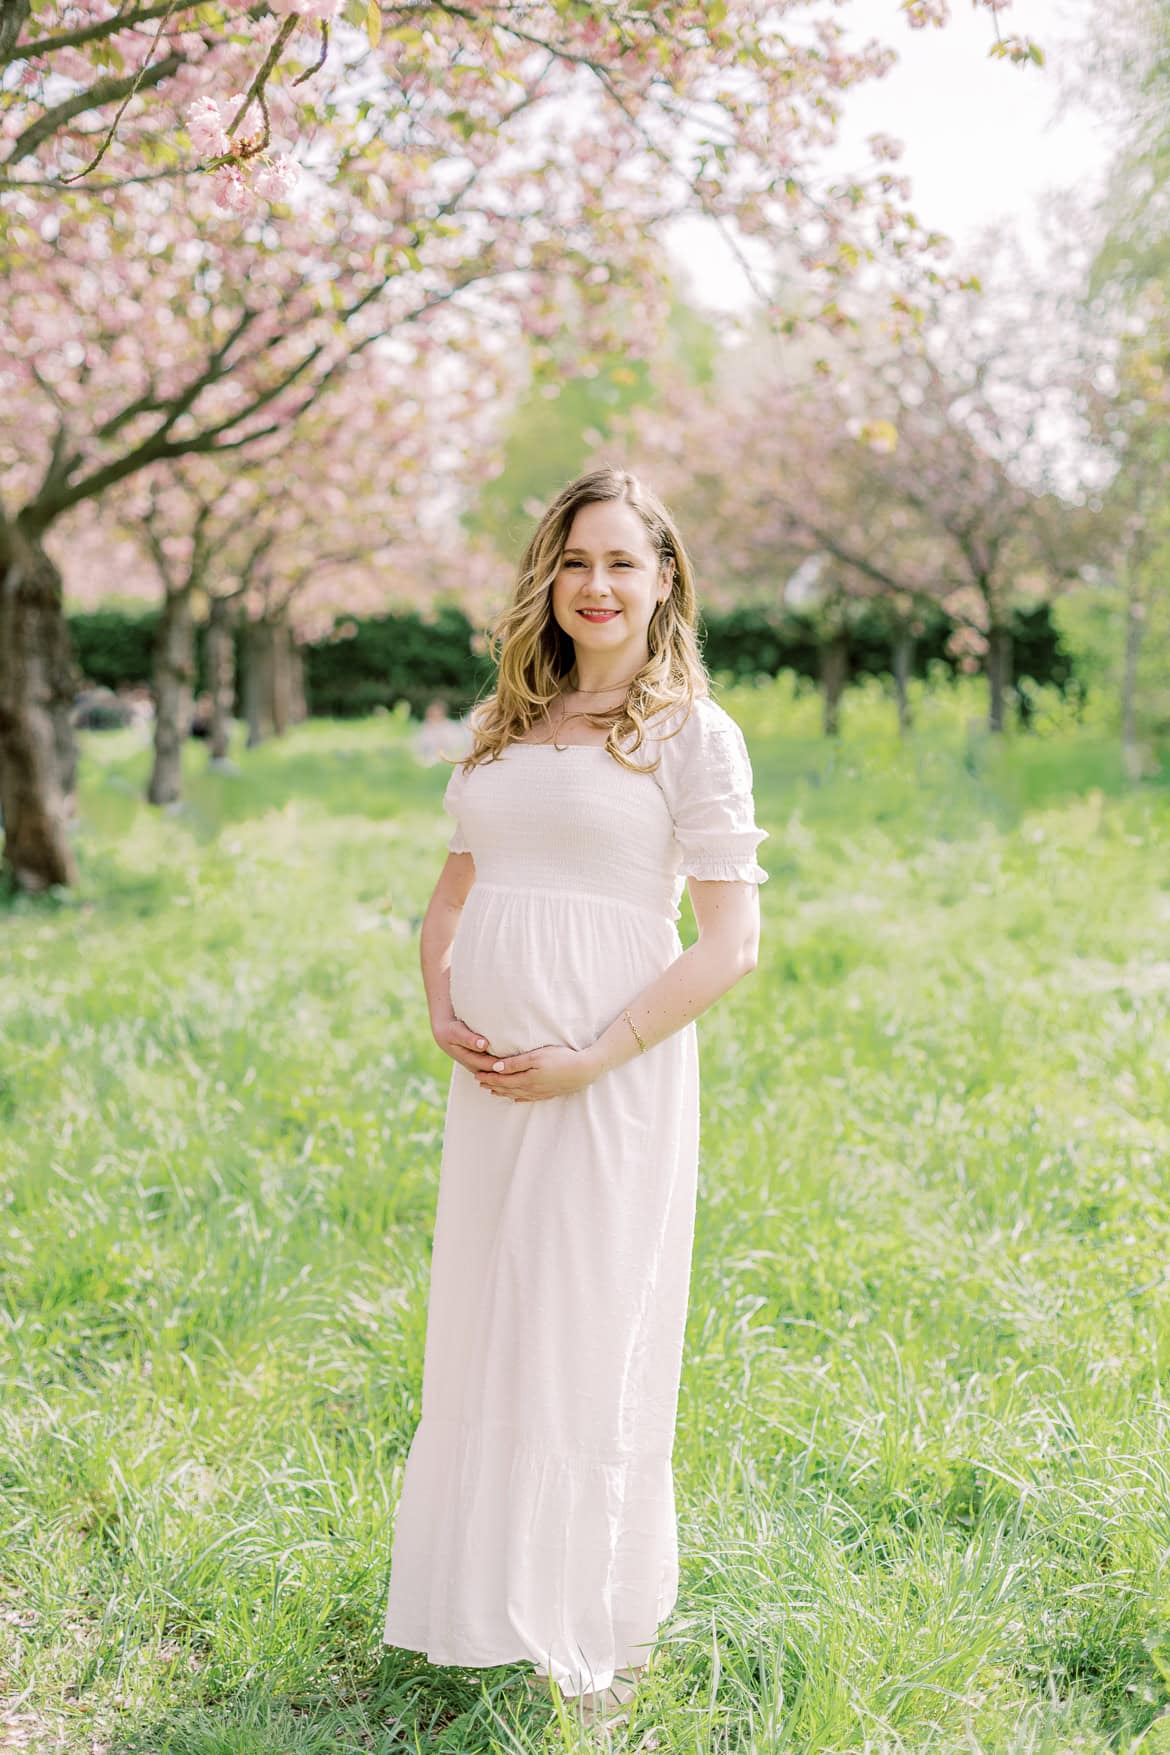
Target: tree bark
<point x="280" y="643"/>
<point x="300" y="704"/>
<point x="221" y="676"/>
<point x="258" y="683"/>
<point x="1135" y="627"/>
<point x="834" y="673"/>
<point x="38" y="679"/>
<point x="174" y="677"/>
<point x="903" y="664"/>
<point x="999" y="675"/>
<point x="65" y="680"/>
<point x="13" y="15"/>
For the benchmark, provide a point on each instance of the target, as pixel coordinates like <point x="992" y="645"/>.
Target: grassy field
<point x="923" y="1452"/>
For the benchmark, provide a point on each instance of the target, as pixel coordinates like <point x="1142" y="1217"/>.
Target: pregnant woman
<point x="537" y="1518"/>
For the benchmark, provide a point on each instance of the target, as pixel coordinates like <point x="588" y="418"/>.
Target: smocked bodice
<point x="577" y="821"/>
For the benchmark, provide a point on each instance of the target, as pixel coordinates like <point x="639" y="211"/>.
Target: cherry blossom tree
<point x="291" y="602"/>
<point x="177" y="319"/>
<point x="139" y="340"/>
<point x="920" y="476"/>
<point x="325" y="514"/>
<point x="778" y="467"/>
<point x="95" y="93"/>
<point x="986" y="455"/>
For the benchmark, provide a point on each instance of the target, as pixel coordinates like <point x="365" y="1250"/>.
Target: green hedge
<point x="113" y="646"/>
<point x="396" y="657"/>
<point x="402" y="657"/>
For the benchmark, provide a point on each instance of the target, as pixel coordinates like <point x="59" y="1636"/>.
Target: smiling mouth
<point x="598" y="615"/>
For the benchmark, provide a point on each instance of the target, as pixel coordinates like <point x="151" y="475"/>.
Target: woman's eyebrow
<point x="609" y="551"/>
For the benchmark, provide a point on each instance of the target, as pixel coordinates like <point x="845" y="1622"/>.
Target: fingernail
<point x="498" y="1066"/>
<point x="480" y="1042"/>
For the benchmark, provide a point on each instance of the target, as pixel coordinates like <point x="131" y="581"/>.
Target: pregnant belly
<point x="530" y="967"/>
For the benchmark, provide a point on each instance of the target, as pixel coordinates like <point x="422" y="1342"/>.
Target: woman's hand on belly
<point x="461" y="1042"/>
<point x="551" y="1071"/>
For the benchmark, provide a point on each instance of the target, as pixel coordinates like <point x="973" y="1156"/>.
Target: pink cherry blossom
<point x="206" y="127"/>
<point x="645" y="60"/>
<point x="884" y="146"/>
<point x="314" y="9"/>
<point x="251" y="117"/>
<point x="232" y="191"/>
<point x="275" y="179"/>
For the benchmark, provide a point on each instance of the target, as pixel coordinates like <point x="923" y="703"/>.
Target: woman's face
<point x="610" y="566"/>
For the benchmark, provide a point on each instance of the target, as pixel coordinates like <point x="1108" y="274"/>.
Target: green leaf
<point x="374" y="22"/>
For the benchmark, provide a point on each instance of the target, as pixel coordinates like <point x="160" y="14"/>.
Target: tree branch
<point x="90" y="33"/>
<point x="13" y="17"/>
<point x="96" y="96"/>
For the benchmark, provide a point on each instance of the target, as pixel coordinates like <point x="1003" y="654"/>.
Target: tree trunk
<point x="834" y="672"/>
<point x="38" y="678"/>
<point x="174" y="677"/>
<point x="999" y="675"/>
<point x="903" y="664"/>
<point x="65" y="681"/>
<point x="300" y="704"/>
<point x="221" y="676"/>
<point x="1135" y="627"/>
<point x="280" y="671"/>
<point x="258" y="682"/>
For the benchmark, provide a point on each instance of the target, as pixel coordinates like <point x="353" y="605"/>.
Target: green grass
<point x="923" y="1451"/>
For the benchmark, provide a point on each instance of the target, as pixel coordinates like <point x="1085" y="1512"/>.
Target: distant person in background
<point x="138" y="701"/>
<point x="98" y="708"/>
<point x="439" y="735"/>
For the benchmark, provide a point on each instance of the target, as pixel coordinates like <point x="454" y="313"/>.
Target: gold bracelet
<point x="634" y="1028"/>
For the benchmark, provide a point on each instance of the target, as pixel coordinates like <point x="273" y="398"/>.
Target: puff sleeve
<point x="706" y="778"/>
<point x="451" y="802"/>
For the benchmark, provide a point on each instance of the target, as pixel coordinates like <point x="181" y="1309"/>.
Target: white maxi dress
<point x="536" y="1519"/>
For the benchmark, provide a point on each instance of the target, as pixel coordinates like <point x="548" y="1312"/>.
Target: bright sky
<point x="984" y="138"/>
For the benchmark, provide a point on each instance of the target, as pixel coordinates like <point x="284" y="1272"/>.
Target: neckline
<point x="518" y="743"/>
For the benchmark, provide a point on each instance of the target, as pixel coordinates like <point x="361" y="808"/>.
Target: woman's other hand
<point x="461" y="1042"/>
<point x="552" y="1071"/>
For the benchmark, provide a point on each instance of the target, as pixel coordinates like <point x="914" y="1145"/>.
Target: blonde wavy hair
<point x="533" y="654"/>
